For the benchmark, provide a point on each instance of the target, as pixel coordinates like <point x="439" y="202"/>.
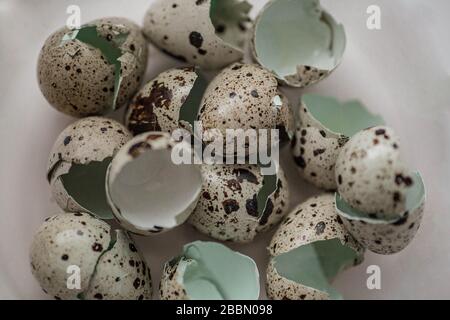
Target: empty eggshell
<point x="207" y="33"/>
<point x="121" y="273"/>
<point x="371" y="175"/>
<point x="210" y="271"/>
<point x="325" y="126"/>
<point x="78" y="162"/>
<point x="386" y="235"/>
<point x="168" y="102"/>
<point x="94" y="69"/>
<point x="244" y="96"/>
<point x="298" y="40"/>
<point x="309" y="249"/>
<point x="72" y="244"/>
<point x="238" y="202"/>
<point x="147" y="191"/>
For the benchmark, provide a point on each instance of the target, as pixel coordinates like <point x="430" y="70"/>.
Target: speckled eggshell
<point x="183" y="29"/>
<point x="244" y="96"/>
<point x="311" y="221"/>
<point x="131" y="150"/>
<point x="64" y="240"/>
<point x="280" y="288"/>
<point x="121" y="273"/>
<point x="86" y="140"/>
<point x="305" y="76"/>
<point x="77" y="79"/>
<point x="169" y="287"/>
<point x="315" y="150"/>
<point x="370" y="174"/>
<point x="385" y="237"/>
<point x="156" y="107"/>
<point x="227" y="208"/>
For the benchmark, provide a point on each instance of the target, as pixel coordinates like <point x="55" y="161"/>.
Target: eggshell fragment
<point x="94" y="69"/>
<point x="121" y="273"/>
<point x="324" y="128"/>
<point x="298" y="40"/>
<point x="70" y="239"/>
<point x="384" y="235"/>
<point x="147" y="191"/>
<point x="244" y="96"/>
<point x="207" y="33"/>
<point x="371" y="175"/>
<point x="210" y="271"/>
<point x="78" y="162"/>
<point x="308" y="250"/>
<point x="168" y="102"/>
<point x="232" y="206"/>
<point x="74" y="247"/>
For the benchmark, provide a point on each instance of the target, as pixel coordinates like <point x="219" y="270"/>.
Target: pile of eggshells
<point x="100" y="170"/>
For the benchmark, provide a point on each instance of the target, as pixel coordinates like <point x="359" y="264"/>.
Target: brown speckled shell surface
<point x="77" y="79"/>
<point x="244" y="96"/>
<point x="64" y="240"/>
<point x="156" y="107"/>
<point x="370" y="174"/>
<point x="121" y="273"/>
<point x="227" y="206"/>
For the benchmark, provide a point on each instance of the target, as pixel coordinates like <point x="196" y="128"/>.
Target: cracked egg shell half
<point x="371" y="175"/>
<point x="325" y="126"/>
<point x="298" y="41"/>
<point x="309" y="249"/>
<point x="78" y="162"/>
<point x="94" y="69"/>
<point x="209" y="271"/>
<point x="148" y="186"/>
<point x="207" y="33"/>
<point x="384" y="235"/>
<point x="76" y="256"/>
<point x="238" y="202"/>
<point x="245" y="97"/>
<point x="168" y="102"/>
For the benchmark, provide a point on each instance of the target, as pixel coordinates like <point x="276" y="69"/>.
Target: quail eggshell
<point x="78" y="161"/>
<point x="147" y="191"/>
<point x="385" y="236"/>
<point x="63" y="240"/>
<point x="193" y="31"/>
<point x="325" y="126"/>
<point x="371" y="175"/>
<point x="244" y="96"/>
<point x="311" y="41"/>
<point x="121" y="273"/>
<point x="312" y="229"/>
<point x="81" y="79"/>
<point x="228" y="206"/>
<point x="165" y="102"/>
<point x="210" y="271"/>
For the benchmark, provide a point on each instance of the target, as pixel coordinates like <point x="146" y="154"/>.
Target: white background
<point x="401" y="71"/>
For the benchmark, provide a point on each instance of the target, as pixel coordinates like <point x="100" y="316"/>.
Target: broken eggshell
<point x="77" y="242"/>
<point x="78" y="162"/>
<point x="309" y="249"/>
<point x="298" y="41"/>
<point x="238" y="202"/>
<point x="245" y="97"/>
<point x="325" y="126"/>
<point x="384" y="235"/>
<point x="210" y="271"/>
<point x="371" y="176"/>
<point x="207" y="33"/>
<point x="147" y="191"/>
<point x="94" y="69"/>
<point x="168" y="102"/>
